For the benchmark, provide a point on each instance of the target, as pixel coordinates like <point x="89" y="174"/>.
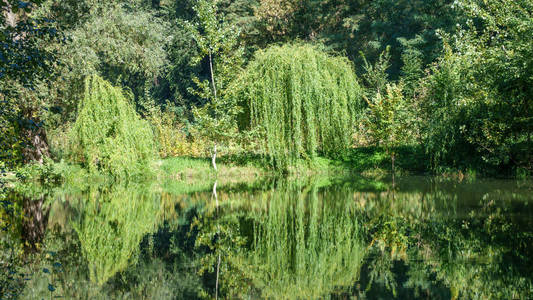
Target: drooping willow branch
<point x="302" y="100"/>
<point x="108" y="135"/>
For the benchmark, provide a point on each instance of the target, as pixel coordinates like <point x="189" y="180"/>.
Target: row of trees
<point x="453" y="76"/>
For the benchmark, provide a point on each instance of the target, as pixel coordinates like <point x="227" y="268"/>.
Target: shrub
<point x="173" y="138"/>
<point x="170" y="138"/>
<point x="108" y="135"/>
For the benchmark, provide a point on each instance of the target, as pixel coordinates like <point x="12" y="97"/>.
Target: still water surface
<point x="312" y="238"/>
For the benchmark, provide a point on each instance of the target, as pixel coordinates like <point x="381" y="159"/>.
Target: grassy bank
<point x="366" y="161"/>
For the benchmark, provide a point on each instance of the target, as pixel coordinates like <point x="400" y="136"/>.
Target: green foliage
<point x="477" y="101"/>
<point x="108" y="135"/>
<point x="387" y="122"/>
<point x="301" y="100"/>
<point x="372" y="26"/>
<point x="473" y="100"/>
<point x="304" y="247"/>
<point x="25" y="64"/>
<point x="375" y="77"/>
<point x="217" y="41"/>
<point x="386" y="118"/>
<point x="170" y="135"/>
<point x="11" y="247"/>
<point x="358" y="26"/>
<point x="111" y="226"/>
<point x="444" y="110"/>
<point x="119" y="40"/>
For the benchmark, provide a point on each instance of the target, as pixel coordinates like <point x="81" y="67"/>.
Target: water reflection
<point x="110" y="227"/>
<point x="292" y="239"/>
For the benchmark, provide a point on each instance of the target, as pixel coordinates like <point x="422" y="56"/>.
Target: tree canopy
<point x="108" y="134"/>
<point x="302" y="100"/>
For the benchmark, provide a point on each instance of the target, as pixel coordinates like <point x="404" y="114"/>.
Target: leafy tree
<point x="108" y="135"/>
<point x="386" y="119"/>
<point x="301" y="100"/>
<point x="24" y="64"/>
<point x="217" y="42"/>
<point x="372" y="26"/>
<point x="477" y="101"/>
<point x="121" y="41"/>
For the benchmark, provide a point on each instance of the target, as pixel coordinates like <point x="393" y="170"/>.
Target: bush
<point x="172" y="137"/>
<point x="108" y="135"/>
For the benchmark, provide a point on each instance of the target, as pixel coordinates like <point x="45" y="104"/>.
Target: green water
<point x="313" y="238"/>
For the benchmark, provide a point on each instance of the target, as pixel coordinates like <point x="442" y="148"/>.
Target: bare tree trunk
<point x="214" y="99"/>
<point x="214" y="157"/>
<point x="37" y="144"/>
<point x="11" y="17"/>
<point x="212" y="76"/>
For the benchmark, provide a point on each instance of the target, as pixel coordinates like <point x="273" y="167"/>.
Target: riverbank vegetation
<point x="116" y="86"/>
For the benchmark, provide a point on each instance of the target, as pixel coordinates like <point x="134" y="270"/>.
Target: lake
<point x="300" y="238"/>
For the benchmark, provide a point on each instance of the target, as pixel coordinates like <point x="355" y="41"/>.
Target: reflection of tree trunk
<point x="37" y="144"/>
<point x="218" y="229"/>
<point x="218" y="271"/>
<point x="393" y="171"/>
<point x="215" y="194"/>
<point x="34" y="222"/>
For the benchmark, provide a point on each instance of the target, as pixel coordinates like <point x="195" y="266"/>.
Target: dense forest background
<point x="451" y="79"/>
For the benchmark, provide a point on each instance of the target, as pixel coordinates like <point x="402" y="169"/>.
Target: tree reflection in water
<point x="311" y="238"/>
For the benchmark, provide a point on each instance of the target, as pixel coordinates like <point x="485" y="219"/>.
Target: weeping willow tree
<point x="108" y="135"/>
<point x="301" y="101"/>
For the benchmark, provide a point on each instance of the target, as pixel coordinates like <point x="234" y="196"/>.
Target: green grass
<point x="191" y="168"/>
<point x="178" y="173"/>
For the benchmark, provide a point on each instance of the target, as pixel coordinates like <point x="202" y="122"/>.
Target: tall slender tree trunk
<point x="214" y="99"/>
<point x="212" y="76"/>
<point x="214" y="157"/>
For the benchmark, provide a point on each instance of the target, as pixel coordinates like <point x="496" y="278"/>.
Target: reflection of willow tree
<point x="111" y="227"/>
<point x="305" y="246"/>
<point x="301" y="246"/>
<point x="119" y="254"/>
